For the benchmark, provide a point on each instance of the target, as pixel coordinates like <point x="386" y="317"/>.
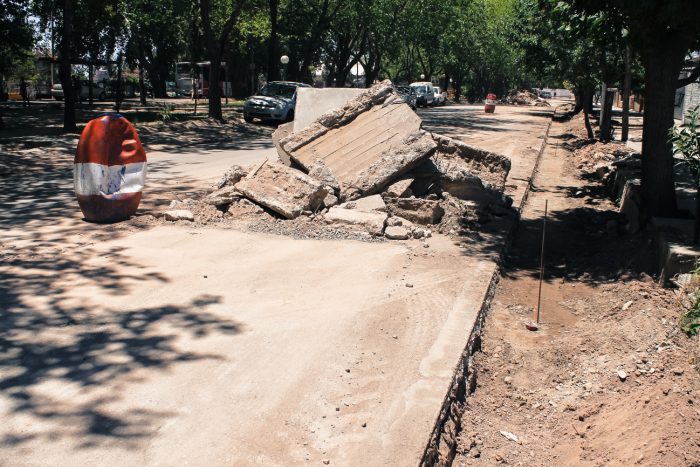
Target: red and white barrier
<point x="109" y="172"/>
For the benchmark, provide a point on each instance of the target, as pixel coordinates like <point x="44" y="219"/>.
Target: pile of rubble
<point x="619" y="168"/>
<point x="368" y="166"/>
<point x="516" y="97"/>
<point x="603" y="159"/>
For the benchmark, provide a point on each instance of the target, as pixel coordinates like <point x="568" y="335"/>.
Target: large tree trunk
<point x="90" y="75"/>
<point x="65" y="68"/>
<point x="663" y="60"/>
<point x="272" y="58"/>
<point x="578" y="99"/>
<point x="214" y="91"/>
<point x="626" y="87"/>
<point x="586" y="104"/>
<point x="214" y="52"/>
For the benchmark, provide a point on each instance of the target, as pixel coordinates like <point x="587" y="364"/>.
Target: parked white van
<point x="425" y="94"/>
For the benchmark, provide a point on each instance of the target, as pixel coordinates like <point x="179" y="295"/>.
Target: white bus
<point x="185" y="73"/>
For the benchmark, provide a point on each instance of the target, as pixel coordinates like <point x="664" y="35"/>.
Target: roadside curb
<point x="443" y="438"/>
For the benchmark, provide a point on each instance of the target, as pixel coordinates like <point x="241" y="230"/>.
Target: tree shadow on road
<point x="65" y="359"/>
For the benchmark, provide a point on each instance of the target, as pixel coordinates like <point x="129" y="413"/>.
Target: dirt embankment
<point x="609" y="379"/>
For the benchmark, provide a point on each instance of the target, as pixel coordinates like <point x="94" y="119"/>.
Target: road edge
<point x="443" y="437"/>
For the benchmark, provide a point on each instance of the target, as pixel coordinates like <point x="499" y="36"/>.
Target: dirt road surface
<point x="560" y="390"/>
<point x="139" y="344"/>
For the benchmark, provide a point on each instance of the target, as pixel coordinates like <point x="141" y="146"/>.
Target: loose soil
<point x="609" y="379"/>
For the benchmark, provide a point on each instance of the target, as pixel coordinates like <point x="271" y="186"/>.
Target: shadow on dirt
<point x="582" y="244"/>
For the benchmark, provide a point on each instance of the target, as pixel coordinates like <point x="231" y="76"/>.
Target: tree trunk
<point x="663" y="60"/>
<point x="587" y="107"/>
<point x="65" y="68"/>
<point x="696" y="230"/>
<point x="142" y="69"/>
<point x="120" y="90"/>
<point x="214" y="91"/>
<point x="272" y="58"/>
<point x="214" y="52"/>
<point x="626" y="86"/>
<point x="90" y="96"/>
<point x="458" y="88"/>
<point x="605" y="119"/>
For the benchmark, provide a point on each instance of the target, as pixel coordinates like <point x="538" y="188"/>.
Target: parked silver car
<point x="275" y="101"/>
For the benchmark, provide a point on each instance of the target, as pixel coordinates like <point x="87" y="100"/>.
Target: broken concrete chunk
<point x="630" y="204"/>
<point x="367" y="144"/>
<point x="279" y="134"/>
<point x="232" y="176"/>
<point x="370" y="203"/>
<point x="396" y="233"/>
<point x="420" y="211"/>
<point x="399" y="189"/>
<point x="178" y="215"/>
<point x="223" y="196"/>
<point x="349" y="111"/>
<point x="467" y="172"/>
<point x="372" y="222"/>
<point x="282" y="189"/>
<point x="395" y="220"/>
<point x="312" y="103"/>
<point x="323" y="174"/>
<point x="330" y="200"/>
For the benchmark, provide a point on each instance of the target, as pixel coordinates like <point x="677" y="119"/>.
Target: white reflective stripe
<point x="97" y="179"/>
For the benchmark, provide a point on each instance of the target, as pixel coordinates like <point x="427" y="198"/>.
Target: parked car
<point x="275" y="101"/>
<point x="424" y="93"/>
<point x="408" y="94"/>
<point x="98" y="93"/>
<point x="440" y="96"/>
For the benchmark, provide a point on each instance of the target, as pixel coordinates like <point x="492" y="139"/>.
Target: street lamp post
<point x="284" y="60"/>
<point x="422" y="76"/>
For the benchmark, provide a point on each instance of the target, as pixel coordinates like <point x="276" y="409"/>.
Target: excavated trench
<point x="442" y="444"/>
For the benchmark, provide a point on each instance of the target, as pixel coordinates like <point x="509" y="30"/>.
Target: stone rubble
<point x="367" y="167"/>
<point x="282" y="189"/>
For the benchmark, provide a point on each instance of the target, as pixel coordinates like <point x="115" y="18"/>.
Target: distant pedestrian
<point x="24" y="93"/>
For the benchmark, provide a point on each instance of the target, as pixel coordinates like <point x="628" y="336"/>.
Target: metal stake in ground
<point x="539" y="294"/>
<point x="534" y="326"/>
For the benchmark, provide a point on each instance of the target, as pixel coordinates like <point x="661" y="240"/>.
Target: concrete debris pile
<point x="619" y="168"/>
<point x="516" y="97"/>
<point x="604" y="158"/>
<point x="368" y="166"/>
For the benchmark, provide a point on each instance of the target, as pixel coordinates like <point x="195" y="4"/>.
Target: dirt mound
<point x="592" y="156"/>
<point x="516" y="97"/>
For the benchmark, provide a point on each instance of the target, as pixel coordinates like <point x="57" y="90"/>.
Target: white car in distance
<point x="440" y="96"/>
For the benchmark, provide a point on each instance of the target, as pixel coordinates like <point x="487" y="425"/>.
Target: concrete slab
<point x="177" y="346"/>
<point x="372" y="150"/>
<point x="672" y="242"/>
<point x="312" y="103"/>
<point x="285" y="190"/>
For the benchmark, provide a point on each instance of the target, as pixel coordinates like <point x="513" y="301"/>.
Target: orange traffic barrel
<point x="109" y="170"/>
<point x="490" y="105"/>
